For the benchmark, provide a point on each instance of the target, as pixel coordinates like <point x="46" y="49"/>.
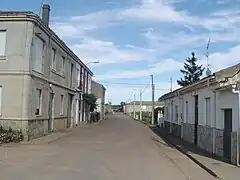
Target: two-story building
<point x="207" y="113"/>
<point x="99" y="91"/>
<point x="41" y="79"/>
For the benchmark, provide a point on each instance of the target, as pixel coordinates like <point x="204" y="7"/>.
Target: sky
<point x="133" y="39"/>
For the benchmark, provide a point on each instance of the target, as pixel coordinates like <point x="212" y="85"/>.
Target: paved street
<point x="118" y="148"/>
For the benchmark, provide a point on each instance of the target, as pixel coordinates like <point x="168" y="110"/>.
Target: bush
<point x="8" y="135"/>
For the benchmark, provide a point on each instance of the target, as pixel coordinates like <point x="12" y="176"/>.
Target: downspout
<point x="215" y="121"/>
<point x="237" y="147"/>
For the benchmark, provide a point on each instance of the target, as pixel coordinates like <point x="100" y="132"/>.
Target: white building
<point x="207" y="113"/>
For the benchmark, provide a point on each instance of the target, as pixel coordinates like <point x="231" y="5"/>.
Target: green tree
<point x="91" y="100"/>
<point x="122" y="105"/>
<point x="192" y="72"/>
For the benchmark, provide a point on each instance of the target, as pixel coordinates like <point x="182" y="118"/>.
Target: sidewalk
<point x="213" y="165"/>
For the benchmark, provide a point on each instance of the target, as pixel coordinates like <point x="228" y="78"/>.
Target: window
<point x="86" y="82"/>
<point x="186" y="105"/>
<point x="176" y="113"/>
<point x="208" y="111"/>
<point x="172" y="118"/>
<point x="37" y="54"/>
<point x="71" y="75"/>
<point x="0" y="100"/>
<point x="38" y="101"/>
<point x="2" y="42"/>
<point x="62" y="105"/>
<point x="78" y="77"/>
<point x="167" y="114"/>
<point x="63" y="65"/>
<point x="54" y="63"/>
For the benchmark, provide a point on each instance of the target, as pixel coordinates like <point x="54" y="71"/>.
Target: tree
<point x="91" y="100"/>
<point x="122" y="106"/>
<point x="192" y="72"/>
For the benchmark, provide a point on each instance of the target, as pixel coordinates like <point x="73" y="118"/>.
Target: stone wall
<point x="205" y="138"/>
<point x="188" y="132"/>
<point x="167" y="126"/>
<point x="36" y="128"/>
<point x="176" y="130"/>
<point x="219" y="142"/>
<point x="234" y="147"/>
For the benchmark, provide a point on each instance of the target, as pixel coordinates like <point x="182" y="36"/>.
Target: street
<point x="118" y="148"/>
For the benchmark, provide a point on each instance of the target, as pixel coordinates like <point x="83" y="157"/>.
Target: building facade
<point x="136" y="105"/>
<point x="99" y="91"/>
<point x="41" y="79"/>
<point x="206" y="113"/>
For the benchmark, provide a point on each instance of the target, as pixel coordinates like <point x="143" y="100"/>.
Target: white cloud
<point x="167" y="65"/>
<point x="107" y="52"/>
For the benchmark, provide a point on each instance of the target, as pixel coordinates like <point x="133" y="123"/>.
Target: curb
<point x="182" y="150"/>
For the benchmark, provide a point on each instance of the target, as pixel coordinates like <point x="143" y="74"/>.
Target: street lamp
<point x="93" y="62"/>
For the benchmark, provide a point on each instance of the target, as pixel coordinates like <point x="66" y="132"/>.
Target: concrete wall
<point x="210" y="135"/>
<point x="14" y="74"/>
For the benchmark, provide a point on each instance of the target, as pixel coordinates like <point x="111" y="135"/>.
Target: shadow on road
<point x="185" y="146"/>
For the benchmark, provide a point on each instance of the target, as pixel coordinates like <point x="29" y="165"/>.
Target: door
<point x="50" y="112"/>
<point x="227" y="133"/>
<point x="196" y="121"/>
<point x="69" y="110"/>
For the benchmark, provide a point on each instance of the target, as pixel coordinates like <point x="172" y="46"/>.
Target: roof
<point x="147" y="103"/>
<point x="31" y="16"/>
<point x="99" y="84"/>
<point x="216" y="77"/>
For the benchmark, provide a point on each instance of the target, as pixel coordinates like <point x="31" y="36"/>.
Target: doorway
<point x="227" y="134"/>
<point x="196" y="120"/>
<point x="50" y="112"/>
<point x="69" y="110"/>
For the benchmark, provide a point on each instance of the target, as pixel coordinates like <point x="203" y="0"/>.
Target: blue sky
<point x="133" y="39"/>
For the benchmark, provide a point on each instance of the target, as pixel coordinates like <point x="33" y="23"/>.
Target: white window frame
<point x="208" y="111"/>
<point x="38" y="95"/>
<point x="62" y="105"/>
<point x="54" y="62"/>
<point x="3" y="43"/>
<point x="1" y="100"/>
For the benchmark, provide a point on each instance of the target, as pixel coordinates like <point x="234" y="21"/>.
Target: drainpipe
<point x="215" y="121"/>
<point x="237" y="92"/>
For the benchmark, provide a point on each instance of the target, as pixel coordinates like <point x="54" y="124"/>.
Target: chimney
<point x="45" y="14"/>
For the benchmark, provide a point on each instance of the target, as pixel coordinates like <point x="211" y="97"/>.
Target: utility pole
<point x="171" y="84"/>
<point x="140" y="105"/>
<point x="134" y="112"/>
<point x="152" y="100"/>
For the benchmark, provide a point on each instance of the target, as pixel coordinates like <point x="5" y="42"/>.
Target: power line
<point x="40" y="10"/>
<point x="125" y="83"/>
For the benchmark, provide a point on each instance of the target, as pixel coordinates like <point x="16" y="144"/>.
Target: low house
<point x="137" y="106"/>
<point x="99" y="91"/>
<point x="206" y="113"/>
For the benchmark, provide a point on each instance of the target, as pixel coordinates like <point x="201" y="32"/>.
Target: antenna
<point x="171" y="84"/>
<point x="40" y="10"/>
<point x="208" y="71"/>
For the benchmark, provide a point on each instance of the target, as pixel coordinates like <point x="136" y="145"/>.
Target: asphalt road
<point x="118" y="148"/>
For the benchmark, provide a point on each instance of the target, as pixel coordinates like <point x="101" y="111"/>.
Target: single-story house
<point x="206" y="113"/>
